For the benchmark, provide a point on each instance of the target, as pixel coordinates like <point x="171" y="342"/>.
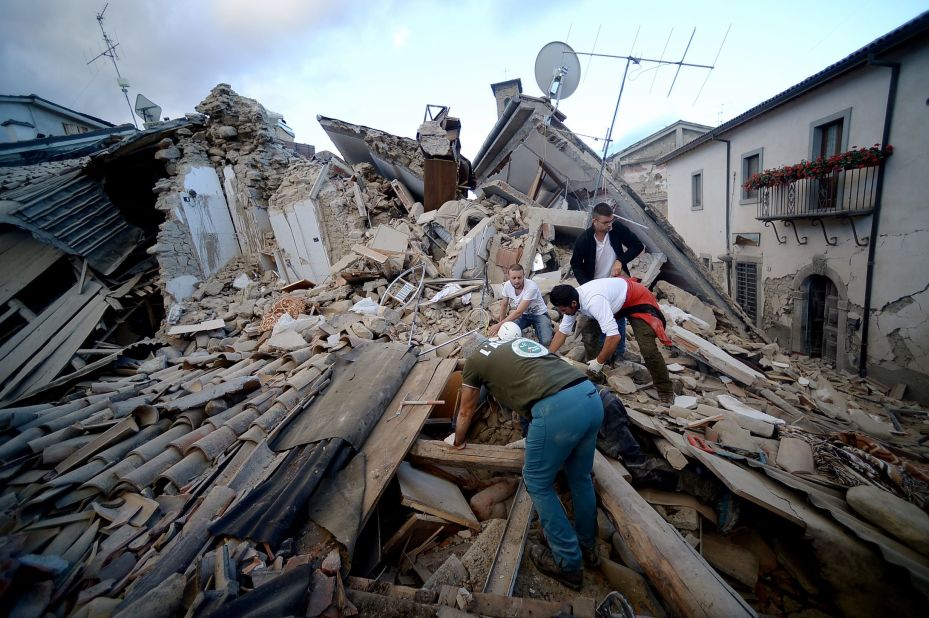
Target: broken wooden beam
<point x="502" y="575"/>
<point x="680" y="575"/>
<point x="485" y="456"/>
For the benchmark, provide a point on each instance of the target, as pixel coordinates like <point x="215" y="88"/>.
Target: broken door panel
<point x="296" y="228"/>
<point x="206" y="214"/>
<point x="247" y="234"/>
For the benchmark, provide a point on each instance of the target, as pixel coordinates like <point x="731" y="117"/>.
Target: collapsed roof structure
<point x="276" y="453"/>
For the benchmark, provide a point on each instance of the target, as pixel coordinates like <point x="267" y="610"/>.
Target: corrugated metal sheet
<point x="72" y="212"/>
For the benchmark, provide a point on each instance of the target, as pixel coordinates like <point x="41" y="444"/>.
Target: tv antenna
<point x="630" y="59"/>
<point x="110" y="52"/>
<point x="557" y="71"/>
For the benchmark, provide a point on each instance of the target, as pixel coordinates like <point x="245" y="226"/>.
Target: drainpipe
<point x="876" y="216"/>
<point x="728" y="207"/>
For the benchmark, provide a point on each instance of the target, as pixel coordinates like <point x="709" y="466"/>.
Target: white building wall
<point x="899" y="338"/>
<point x="46" y="122"/>
<point x="899" y="341"/>
<point x="704" y="230"/>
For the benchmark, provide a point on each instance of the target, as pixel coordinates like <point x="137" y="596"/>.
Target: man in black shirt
<point x="603" y="250"/>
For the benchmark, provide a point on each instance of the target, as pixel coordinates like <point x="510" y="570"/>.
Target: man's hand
<point x="495" y="329"/>
<point x="617" y="270"/>
<point x="595" y="366"/>
<point x="450" y="440"/>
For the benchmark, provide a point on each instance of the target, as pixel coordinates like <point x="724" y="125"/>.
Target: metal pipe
<point x="452" y="340"/>
<point x="728" y="209"/>
<point x="876" y="215"/>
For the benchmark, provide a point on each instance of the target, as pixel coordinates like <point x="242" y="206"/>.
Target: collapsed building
<point x="275" y="448"/>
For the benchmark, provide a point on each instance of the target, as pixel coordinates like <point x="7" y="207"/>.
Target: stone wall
<point x="236" y="136"/>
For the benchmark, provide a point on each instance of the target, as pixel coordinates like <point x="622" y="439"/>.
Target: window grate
<point x="746" y="288"/>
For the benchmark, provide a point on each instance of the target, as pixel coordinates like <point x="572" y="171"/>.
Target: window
<point x="746" y="288"/>
<point x="828" y="137"/>
<point x="73" y="129"/>
<point x="751" y="165"/>
<point x="696" y="190"/>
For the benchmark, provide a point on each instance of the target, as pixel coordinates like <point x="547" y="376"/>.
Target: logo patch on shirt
<point x="528" y="348"/>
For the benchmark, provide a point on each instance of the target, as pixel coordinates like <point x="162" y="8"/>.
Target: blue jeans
<point x="542" y="325"/>
<point x="563" y="433"/>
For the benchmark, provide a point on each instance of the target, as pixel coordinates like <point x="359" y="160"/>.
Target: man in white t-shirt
<point x="524" y="306"/>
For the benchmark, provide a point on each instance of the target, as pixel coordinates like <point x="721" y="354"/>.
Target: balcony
<point x="842" y="193"/>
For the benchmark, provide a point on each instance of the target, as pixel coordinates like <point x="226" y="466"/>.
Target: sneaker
<point x="544" y="561"/>
<point x="591" y="557"/>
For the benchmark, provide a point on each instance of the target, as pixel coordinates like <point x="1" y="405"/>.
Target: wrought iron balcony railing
<point x="845" y="193"/>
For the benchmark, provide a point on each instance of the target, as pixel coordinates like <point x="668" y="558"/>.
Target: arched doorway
<point x="821" y="333"/>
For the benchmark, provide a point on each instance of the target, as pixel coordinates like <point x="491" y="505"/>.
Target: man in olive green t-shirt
<point x="566" y="413"/>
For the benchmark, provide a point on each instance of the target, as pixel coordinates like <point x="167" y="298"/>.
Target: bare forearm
<point x="557" y="341"/>
<point x="609" y="347"/>
<point x="469" y="399"/>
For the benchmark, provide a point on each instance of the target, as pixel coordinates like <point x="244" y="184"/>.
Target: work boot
<point x="591" y="556"/>
<point x="544" y="560"/>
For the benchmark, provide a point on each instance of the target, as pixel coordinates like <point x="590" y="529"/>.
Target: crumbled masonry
<point x="793" y="488"/>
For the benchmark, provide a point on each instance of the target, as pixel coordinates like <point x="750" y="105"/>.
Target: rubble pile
<point x="119" y="496"/>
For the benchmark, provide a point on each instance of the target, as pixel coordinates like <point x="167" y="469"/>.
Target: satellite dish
<point x="146" y="109"/>
<point x="557" y="70"/>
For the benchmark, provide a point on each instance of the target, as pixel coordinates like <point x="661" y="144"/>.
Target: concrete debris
<point x="279" y="270"/>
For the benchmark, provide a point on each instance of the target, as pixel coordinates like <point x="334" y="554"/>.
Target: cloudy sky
<point x="380" y="63"/>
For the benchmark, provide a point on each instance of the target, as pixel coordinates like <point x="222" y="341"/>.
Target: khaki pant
<point x="648" y="347"/>
<point x="654" y="361"/>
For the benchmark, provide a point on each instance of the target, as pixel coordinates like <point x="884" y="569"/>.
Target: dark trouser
<point x="592" y="337"/>
<point x="654" y="361"/>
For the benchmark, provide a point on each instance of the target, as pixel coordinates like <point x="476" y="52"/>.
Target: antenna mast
<point x="110" y="52"/>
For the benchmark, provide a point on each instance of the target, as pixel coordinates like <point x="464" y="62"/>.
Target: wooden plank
<point x="671" y="453"/>
<point x="435" y="496"/>
<point x="414" y="531"/>
<point x="56" y="351"/>
<point x="502" y="576"/>
<point x="672" y="498"/>
<point x="196" y="328"/>
<point x="484" y="456"/>
<point x="23" y="344"/>
<point x="26" y="259"/>
<point x="440" y="183"/>
<point x="371" y="254"/>
<point x="390" y="440"/>
<point x="403" y="194"/>
<point x="682" y="577"/>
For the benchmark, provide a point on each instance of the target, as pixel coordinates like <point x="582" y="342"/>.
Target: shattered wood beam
<point x="485" y="456"/>
<point x="501" y="577"/>
<point x="680" y="575"/>
<point x="371" y="254"/>
<point x="390" y="440"/>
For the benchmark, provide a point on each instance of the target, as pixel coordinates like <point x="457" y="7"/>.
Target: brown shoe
<point x="545" y="562"/>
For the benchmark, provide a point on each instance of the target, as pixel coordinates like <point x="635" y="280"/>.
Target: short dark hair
<point x="603" y="210"/>
<point x="516" y="267"/>
<point x="562" y="295"/>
